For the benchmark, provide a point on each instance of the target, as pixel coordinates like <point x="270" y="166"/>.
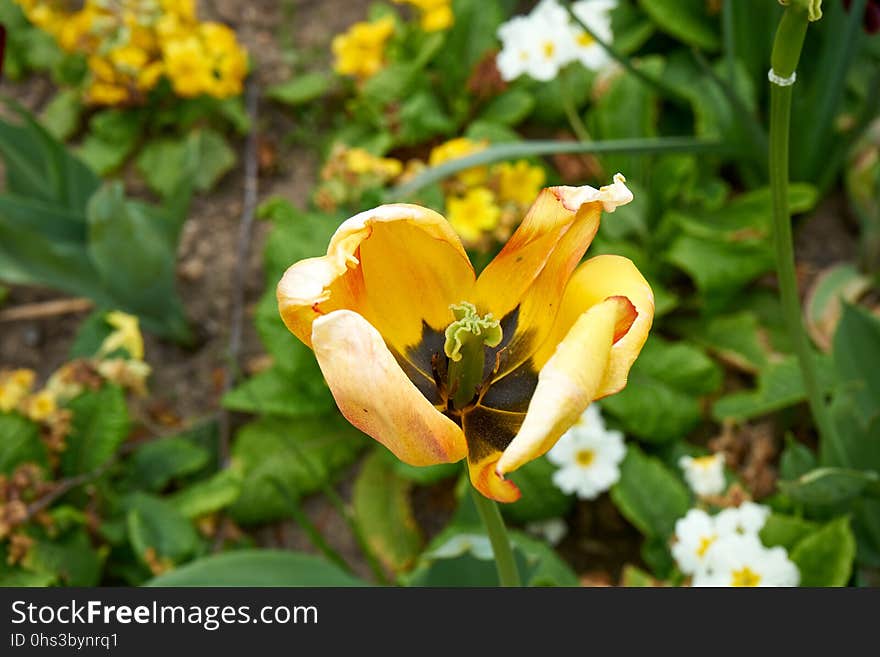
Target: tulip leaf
<point x="384" y="513"/>
<point x="20" y="444"/>
<point x="650" y="495"/>
<point x="825" y="557"/>
<point x="541" y="499"/>
<point x="779" y="385"/>
<point x="686" y="20"/>
<point x="304" y="453"/>
<point x="63" y="114"/>
<point x="257" y="568"/>
<point x="831" y="486"/>
<point x="158" y="531"/>
<point x="661" y="401"/>
<point x="100" y="425"/>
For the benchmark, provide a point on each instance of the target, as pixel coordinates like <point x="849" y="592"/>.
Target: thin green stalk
<point x="509" y="151"/>
<point x="571" y="113"/>
<point x="786" y="53"/>
<point x="508" y="575"/>
<point x="727" y="33"/>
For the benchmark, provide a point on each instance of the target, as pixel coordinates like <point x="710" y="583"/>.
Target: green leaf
<point x="469" y="39"/>
<point x="300" y="89"/>
<point x="156" y="463"/>
<point x="734" y="338"/>
<point x="113" y="135"/>
<point x="384" y="513"/>
<point x="153" y="524"/>
<point x="661" y="400"/>
<point x="797" y="459"/>
<point x="632" y="576"/>
<point x="686" y="20"/>
<point x="257" y="568"/>
<point x="830" y="486"/>
<point x="786" y="531"/>
<point x="779" y="386"/>
<point x="510" y="108"/>
<point x="649" y="495"/>
<point x="19" y="443"/>
<point x="303" y="454"/>
<point x="424" y="475"/>
<point x="62" y="114"/>
<point x="209" y="495"/>
<point x="858" y="436"/>
<point x="541" y="499"/>
<point x="100" y="425"/>
<point x="90" y="335"/>
<point x="856" y="354"/>
<point x="421" y="117"/>
<point x="280" y="391"/>
<point x="825" y="557"/>
<point x="71" y="559"/>
<point x="198" y="160"/>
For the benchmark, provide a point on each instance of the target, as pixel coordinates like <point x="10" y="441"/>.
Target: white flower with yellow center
<point x="695" y="535"/>
<point x="746" y="519"/>
<point x="516" y="54"/>
<point x="538" y="45"/>
<point x="596" y="15"/>
<point x="741" y="560"/>
<point x="588" y="456"/>
<point x="704" y="474"/>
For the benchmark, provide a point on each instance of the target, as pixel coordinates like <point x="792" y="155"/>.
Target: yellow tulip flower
<point x="439" y="365"/>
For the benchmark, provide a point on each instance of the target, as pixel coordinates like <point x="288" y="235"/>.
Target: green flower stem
<point x="508" y="575"/>
<point x="786" y="53"/>
<point x="571" y="113"/>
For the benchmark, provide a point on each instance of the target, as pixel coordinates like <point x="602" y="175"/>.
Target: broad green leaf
<point x="156" y="463"/>
<point x="649" y="495"/>
<point x="113" y="135"/>
<point x="734" y="338"/>
<point x="280" y="391"/>
<point x="90" y="335"/>
<point x="303" y="454"/>
<point x="100" y="425"/>
<point x="661" y="401"/>
<point x="300" y="89"/>
<point x="541" y="499"/>
<point x="779" y="386"/>
<point x="797" y="459"/>
<point x="786" y="531"/>
<point x="257" y="568"/>
<point x="200" y="159"/>
<point x="19" y="443"/>
<point x="155" y="525"/>
<point x="421" y="117"/>
<point x="830" y="486"/>
<point x="856" y="354"/>
<point x="468" y="41"/>
<point x="209" y="495"/>
<point x="687" y="20"/>
<point x="858" y="436"/>
<point x="384" y="513"/>
<point x="825" y="557"/>
<point x="509" y="108"/>
<point x="62" y="114"/>
<point x="71" y="559"/>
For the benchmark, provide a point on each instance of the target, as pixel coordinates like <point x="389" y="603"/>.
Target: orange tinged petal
<point x="374" y="394"/>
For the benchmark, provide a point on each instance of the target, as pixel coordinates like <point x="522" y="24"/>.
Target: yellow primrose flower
<point x="126" y="336"/>
<point x="14" y="386"/>
<point x="41" y="406"/>
<point x="361" y="162"/>
<point x="186" y="66"/>
<point x="519" y="182"/>
<point x="458" y="148"/>
<point x="473" y="214"/>
<point x="436" y="15"/>
<point x="439" y="365"/>
<point x="361" y="50"/>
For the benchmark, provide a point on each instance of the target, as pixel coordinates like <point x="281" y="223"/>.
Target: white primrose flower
<point x="517" y="53"/>
<point x="741" y="560"/>
<point x="588" y="456"/>
<point x="552" y="530"/>
<point x="695" y="535"/>
<point x="704" y="474"/>
<point x="746" y="519"/>
<point x="551" y="40"/>
<point x="596" y="15"/>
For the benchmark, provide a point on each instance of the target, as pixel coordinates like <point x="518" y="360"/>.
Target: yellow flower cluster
<point x="483" y="203"/>
<point x="361" y="50"/>
<point x="349" y="172"/>
<point x="132" y="44"/>
<point x="436" y="15"/>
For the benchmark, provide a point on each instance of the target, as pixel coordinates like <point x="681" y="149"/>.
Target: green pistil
<point x="465" y="339"/>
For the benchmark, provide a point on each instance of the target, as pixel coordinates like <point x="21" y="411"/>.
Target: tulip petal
<point x="400" y="266"/>
<point x="525" y="281"/>
<point x="488" y="432"/>
<point x="594" y="281"/>
<point x="569" y="381"/>
<point x="375" y="395"/>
